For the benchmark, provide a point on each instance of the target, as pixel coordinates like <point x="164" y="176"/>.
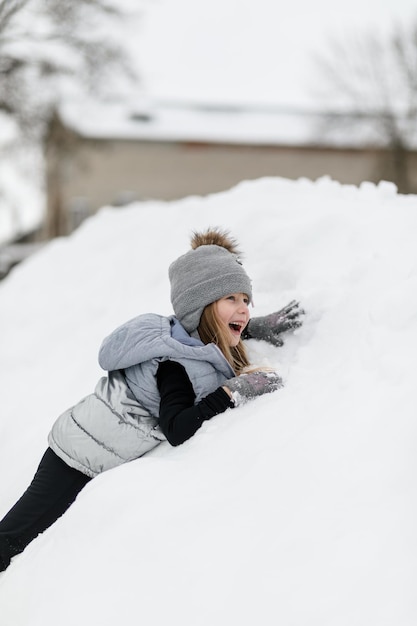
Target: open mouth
<point x="236" y="327"/>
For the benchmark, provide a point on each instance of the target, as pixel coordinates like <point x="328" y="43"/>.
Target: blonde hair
<point x="212" y="330"/>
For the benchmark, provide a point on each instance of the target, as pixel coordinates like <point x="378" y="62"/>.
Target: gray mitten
<point x="248" y="386"/>
<point x="270" y="327"/>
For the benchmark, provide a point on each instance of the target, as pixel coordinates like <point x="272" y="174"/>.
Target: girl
<point x="166" y="376"/>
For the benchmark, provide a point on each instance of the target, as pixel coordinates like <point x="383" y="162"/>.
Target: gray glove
<point x="270" y="327"/>
<point x="248" y="386"/>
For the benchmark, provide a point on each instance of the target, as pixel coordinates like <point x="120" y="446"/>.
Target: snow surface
<point x="22" y="197"/>
<point x="298" y="508"/>
<point x="22" y="200"/>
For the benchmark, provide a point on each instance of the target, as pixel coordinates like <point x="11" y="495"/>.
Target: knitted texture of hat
<point x="206" y="273"/>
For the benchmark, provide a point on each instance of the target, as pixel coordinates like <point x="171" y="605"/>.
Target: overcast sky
<point x="259" y="52"/>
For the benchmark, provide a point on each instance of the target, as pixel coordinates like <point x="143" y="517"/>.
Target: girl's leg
<point x="52" y="490"/>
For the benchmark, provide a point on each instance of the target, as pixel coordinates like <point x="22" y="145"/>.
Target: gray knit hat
<point x="206" y="273"/>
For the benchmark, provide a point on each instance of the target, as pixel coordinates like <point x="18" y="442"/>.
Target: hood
<point x="152" y="336"/>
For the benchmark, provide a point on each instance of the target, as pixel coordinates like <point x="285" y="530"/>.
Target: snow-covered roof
<point x="268" y="126"/>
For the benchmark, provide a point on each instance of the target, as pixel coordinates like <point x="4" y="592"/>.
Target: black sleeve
<point x="179" y="417"/>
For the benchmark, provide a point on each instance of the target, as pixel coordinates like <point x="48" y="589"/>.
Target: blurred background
<point x="106" y="102"/>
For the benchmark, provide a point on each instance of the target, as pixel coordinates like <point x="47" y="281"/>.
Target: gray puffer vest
<point x="119" y="421"/>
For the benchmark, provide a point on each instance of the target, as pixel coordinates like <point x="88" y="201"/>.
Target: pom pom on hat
<point x="206" y="273"/>
<point x="215" y="237"/>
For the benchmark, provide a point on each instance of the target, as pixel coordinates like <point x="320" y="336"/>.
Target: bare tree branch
<point x="375" y="78"/>
<point x="42" y="41"/>
<point x="8" y="9"/>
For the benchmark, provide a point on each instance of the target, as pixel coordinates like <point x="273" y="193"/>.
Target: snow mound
<point x="298" y="508"/>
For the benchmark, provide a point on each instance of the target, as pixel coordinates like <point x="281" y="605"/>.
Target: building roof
<point x="240" y="125"/>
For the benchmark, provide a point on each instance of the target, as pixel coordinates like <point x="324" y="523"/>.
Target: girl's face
<point x="233" y="311"/>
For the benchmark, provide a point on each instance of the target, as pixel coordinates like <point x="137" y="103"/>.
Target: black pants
<point x="52" y="490"/>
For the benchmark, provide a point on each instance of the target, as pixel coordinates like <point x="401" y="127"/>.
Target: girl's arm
<point x="271" y="327"/>
<point x="179" y="417"/>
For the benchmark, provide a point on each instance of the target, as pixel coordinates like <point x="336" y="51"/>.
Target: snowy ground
<point x="22" y="198"/>
<point x="298" y="509"/>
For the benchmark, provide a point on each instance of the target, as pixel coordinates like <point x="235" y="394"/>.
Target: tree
<point x="52" y="50"/>
<point x="373" y="79"/>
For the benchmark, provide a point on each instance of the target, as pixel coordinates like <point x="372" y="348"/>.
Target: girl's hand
<point x="270" y="327"/>
<point x="248" y="386"/>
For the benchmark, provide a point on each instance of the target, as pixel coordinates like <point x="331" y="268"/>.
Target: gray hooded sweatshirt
<point x="119" y="421"/>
